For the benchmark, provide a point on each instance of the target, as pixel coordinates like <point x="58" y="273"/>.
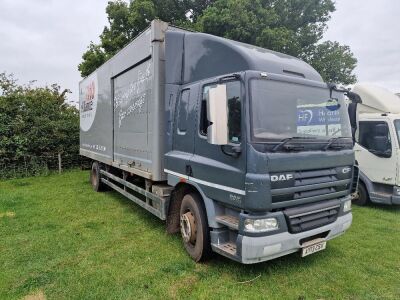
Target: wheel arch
<point x="181" y="189"/>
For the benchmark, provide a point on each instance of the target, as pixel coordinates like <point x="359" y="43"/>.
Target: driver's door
<point x="220" y="174"/>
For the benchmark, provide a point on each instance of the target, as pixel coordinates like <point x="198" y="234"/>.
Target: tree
<point x="127" y="20"/>
<point x="294" y="27"/>
<point x="334" y="62"/>
<point x="35" y="122"/>
<point x="93" y="58"/>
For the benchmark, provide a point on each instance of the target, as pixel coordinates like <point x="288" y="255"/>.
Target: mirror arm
<point x="354" y="97"/>
<point x="331" y="87"/>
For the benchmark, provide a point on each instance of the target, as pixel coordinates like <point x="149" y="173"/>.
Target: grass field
<point x="59" y="239"/>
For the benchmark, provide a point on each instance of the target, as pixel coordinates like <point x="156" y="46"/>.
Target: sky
<point x="372" y="30"/>
<point x="44" y="40"/>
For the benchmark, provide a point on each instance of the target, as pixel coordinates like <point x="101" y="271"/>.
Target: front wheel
<point x="194" y="227"/>
<point x="362" y="197"/>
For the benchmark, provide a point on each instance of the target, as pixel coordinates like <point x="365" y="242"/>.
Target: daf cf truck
<point x="245" y="151"/>
<point x="378" y="145"/>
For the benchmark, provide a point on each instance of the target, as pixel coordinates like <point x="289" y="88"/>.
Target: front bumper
<point x="258" y="249"/>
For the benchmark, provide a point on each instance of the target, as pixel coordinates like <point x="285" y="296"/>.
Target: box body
<point x="121" y="107"/>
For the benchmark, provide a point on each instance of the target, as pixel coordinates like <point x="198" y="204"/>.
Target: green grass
<point x="61" y="239"/>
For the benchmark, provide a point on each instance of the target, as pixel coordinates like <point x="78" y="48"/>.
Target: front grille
<point x="311" y="216"/>
<point x="313" y="185"/>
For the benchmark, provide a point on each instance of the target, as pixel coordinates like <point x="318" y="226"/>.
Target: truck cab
<point x="263" y="141"/>
<point x="377" y="148"/>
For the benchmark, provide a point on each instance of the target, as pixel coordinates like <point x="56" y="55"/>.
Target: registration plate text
<point x="313" y="248"/>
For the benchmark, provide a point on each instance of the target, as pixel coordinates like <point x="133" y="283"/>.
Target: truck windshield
<point x="282" y="110"/>
<point x="397" y="125"/>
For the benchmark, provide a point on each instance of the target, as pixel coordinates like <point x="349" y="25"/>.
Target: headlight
<point x="347" y="206"/>
<point x="260" y="225"/>
<point x="396" y="190"/>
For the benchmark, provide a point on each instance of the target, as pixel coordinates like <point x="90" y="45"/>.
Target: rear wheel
<point x="194" y="227"/>
<point x="95" y="178"/>
<point x="362" y="197"/>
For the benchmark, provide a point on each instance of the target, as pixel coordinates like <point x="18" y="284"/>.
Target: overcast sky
<point x="372" y="30"/>
<point x="44" y="39"/>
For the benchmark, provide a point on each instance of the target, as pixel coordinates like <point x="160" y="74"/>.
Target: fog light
<point x="396" y="190"/>
<point x="347" y="206"/>
<point x="260" y="225"/>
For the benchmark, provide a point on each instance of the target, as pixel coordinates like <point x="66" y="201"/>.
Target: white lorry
<point x="377" y="145"/>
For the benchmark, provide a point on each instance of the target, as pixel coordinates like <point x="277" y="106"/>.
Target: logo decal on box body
<point x="88" y="101"/>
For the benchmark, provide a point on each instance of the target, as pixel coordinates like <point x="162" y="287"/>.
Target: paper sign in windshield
<point x="318" y="121"/>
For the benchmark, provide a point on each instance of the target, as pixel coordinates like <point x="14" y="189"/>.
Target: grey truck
<point x="245" y="151"/>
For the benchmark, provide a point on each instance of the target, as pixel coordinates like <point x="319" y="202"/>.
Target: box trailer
<point x="219" y="139"/>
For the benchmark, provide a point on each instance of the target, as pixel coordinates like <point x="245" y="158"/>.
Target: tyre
<point x="363" y="197"/>
<point x="194" y="227"/>
<point x="95" y="178"/>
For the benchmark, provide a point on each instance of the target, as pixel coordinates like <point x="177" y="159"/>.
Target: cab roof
<point x="376" y="99"/>
<point x="193" y="56"/>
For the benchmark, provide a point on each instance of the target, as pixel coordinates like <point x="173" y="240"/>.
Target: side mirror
<point x="352" y="109"/>
<point x="217" y="115"/>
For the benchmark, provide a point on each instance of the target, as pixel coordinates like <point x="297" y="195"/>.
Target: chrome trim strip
<point x="207" y="183"/>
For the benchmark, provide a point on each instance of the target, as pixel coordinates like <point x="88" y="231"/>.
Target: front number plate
<point x="313" y="248"/>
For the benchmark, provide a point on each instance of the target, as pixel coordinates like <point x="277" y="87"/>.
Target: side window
<point x="234" y="111"/>
<point x="375" y="137"/>
<point x="183" y="112"/>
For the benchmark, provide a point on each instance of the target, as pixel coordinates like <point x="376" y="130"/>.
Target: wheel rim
<point x="188" y="227"/>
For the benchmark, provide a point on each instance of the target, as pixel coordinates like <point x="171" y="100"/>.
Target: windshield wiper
<point x="331" y="144"/>
<point x="291" y="147"/>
